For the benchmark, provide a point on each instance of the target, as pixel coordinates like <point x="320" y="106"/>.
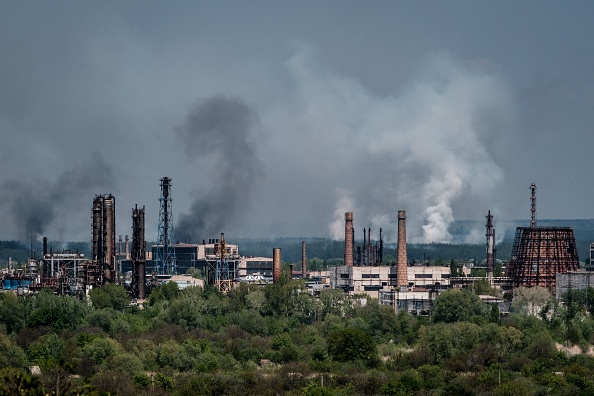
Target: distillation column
<point x="138" y="254"/>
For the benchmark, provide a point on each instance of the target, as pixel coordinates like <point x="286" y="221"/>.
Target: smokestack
<point x="369" y="250"/>
<point x="276" y="264"/>
<point x="120" y="244"/>
<point x="44" y="247"/>
<point x="303" y="260"/>
<point x="348" y="241"/>
<point x="97" y="229"/>
<point x="127" y="245"/>
<point x="402" y="261"/>
<point x="490" y="247"/>
<point x="364" y="247"/>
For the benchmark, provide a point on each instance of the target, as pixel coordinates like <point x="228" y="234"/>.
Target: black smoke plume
<point x="220" y="129"/>
<point x="32" y="207"/>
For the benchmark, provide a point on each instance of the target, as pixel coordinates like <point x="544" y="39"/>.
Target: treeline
<point x="279" y="339"/>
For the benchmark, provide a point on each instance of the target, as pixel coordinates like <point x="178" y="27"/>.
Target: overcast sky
<point x="273" y="118"/>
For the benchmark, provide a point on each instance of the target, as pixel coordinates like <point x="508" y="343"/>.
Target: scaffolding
<point x="165" y="263"/>
<point x="539" y="253"/>
<point x="224" y="273"/>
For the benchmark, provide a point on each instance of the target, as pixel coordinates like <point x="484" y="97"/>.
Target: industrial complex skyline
<point x="276" y="118"/>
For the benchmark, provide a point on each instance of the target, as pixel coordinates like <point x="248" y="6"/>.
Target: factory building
<point x="255" y="270"/>
<point x="573" y="280"/>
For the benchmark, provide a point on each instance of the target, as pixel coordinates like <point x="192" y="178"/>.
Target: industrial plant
<point x="541" y="256"/>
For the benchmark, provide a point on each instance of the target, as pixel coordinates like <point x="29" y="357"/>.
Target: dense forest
<point x="279" y="339"/>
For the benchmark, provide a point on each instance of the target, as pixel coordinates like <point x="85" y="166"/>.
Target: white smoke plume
<point x="423" y="149"/>
<point x="344" y="204"/>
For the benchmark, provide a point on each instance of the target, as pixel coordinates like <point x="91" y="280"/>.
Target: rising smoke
<point x="344" y="204"/>
<point x="423" y="150"/>
<point x="40" y="206"/>
<point x="219" y="129"/>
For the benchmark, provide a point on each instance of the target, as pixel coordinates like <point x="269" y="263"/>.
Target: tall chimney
<point x="348" y="239"/>
<point x="276" y="264"/>
<point x="303" y="260"/>
<point x="402" y="274"/>
<point x="490" y="247"/>
<point x="44" y="247"/>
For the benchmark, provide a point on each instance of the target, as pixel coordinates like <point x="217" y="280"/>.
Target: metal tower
<point x="165" y="258"/>
<point x="223" y="274"/>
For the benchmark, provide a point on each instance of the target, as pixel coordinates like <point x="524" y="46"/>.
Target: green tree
<point x="11" y="355"/>
<point x="458" y="305"/>
<point x="453" y="268"/>
<point x="406" y="384"/>
<point x="168" y="291"/>
<point x="349" y="344"/>
<point x="12" y="312"/>
<point x="110" y="296"/>
<point x="15" y="382"/>
<point x="529" y="300"/>
<point x="56" y="312"/>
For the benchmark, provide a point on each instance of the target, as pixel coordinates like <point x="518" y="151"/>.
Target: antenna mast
<point x="533" y="205"/>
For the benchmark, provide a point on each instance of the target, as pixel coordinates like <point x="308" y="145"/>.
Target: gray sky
<point x="273" y="118"/>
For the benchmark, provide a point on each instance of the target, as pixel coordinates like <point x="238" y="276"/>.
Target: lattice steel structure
<point x="165" y="257"/>
<point x="223" y="274"/>
<point x="539" y="253"/>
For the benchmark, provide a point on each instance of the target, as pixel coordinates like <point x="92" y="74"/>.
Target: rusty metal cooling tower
<point x="138" y="254"/>
<point x="539" y="253"/>
<point x="348" y="239"/>
<point x="402" y="260"/>
<point x="276" y="264"/>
